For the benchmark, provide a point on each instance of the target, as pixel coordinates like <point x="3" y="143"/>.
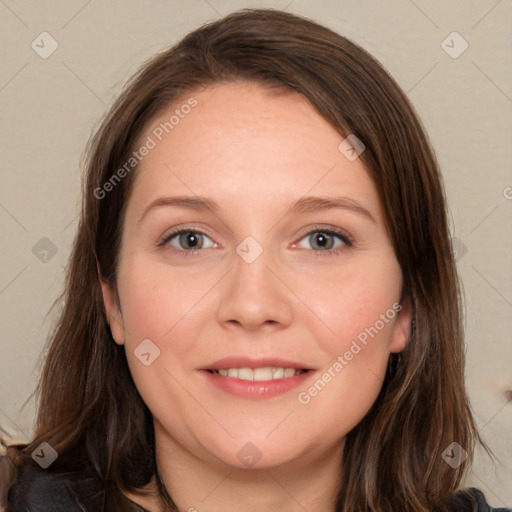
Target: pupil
<point x="191" y="239"/>
<point x="322" y="240"/>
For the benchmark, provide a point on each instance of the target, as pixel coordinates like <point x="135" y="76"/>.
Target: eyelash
<point x="341" y="235"/>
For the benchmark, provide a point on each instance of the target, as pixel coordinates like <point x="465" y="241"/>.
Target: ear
<point x="402" y="326"/>
<point x="112" y="310"/>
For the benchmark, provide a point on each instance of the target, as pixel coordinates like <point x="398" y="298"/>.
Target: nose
<point x="255" y="295"/>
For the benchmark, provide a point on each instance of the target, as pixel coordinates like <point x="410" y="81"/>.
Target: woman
<point x="305" y="352"/>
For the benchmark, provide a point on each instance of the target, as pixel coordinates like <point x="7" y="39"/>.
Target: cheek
<point x="359" y="309"/>
<point x="167" y="308"/>
<point x="349" y="382"/>
<point x="160" y="306"/>
<point x="156" y="301"/>
<point x="357" y="299"/>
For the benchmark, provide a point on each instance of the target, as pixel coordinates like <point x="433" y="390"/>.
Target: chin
<point x="254" y="453"/>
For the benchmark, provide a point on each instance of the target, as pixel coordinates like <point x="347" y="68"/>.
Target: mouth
<point x="255" y="378"/>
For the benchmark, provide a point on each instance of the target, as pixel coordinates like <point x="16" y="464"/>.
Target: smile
<point x="258" y="374"/>
<point x="256" y="383"/>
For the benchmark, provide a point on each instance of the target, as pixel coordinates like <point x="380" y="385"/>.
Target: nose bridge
<point x="254" y="295"/>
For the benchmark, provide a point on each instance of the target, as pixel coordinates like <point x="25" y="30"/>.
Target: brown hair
<point x="89" y="409"/>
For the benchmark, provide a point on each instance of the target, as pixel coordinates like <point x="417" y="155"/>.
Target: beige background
<point x="49" y="107"/>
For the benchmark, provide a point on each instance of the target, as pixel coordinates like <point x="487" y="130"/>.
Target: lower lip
<point x="253" y="389"/>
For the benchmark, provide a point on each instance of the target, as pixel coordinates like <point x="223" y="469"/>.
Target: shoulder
<point x="483" y="506"/>
<point x="37" y="490"/>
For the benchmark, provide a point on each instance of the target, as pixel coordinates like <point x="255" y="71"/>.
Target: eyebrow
<point x="308" y="204"/>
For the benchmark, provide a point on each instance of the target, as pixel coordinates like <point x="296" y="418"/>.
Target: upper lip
<point x="249" y="362"/>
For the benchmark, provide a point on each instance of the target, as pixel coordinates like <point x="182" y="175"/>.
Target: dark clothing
<point x="37" y="490"/>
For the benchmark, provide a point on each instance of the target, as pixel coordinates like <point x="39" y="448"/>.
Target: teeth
<point x="259" y="374"/>
<point x="246" y="374"/>
<point x="277" y="373"/>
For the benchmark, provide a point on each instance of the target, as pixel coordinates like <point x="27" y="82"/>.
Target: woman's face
<point x="264" y="277"/>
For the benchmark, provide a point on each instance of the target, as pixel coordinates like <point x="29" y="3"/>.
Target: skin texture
<point x="254" y="152"/>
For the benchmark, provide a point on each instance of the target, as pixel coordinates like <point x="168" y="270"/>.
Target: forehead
<point x="243" y="142"/>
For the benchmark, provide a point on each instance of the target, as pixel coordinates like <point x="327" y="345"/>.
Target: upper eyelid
<point x="171" y="233"/>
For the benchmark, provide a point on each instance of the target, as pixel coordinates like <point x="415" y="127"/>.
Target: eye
<point x="327" y="241"/>
<point x="187" y="240"/>
<point x="190" y="240"/>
